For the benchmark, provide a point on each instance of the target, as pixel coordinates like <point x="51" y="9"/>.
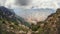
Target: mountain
<point x="6" y="12"/>
<point x="10" y="15"/>
<point x="34" y="15"/>
<point x="51" y="25"/>
<point x="53" y="21"/>
<point x="10" y="22"/>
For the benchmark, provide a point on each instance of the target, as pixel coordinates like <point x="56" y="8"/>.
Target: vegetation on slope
<point x="11" y="24"/>
<point x="50" y="26"/>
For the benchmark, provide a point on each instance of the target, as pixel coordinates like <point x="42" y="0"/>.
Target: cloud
<point x="2" y="2"/>
<point x="22" y="2"/>
<point x="30" y="3"/>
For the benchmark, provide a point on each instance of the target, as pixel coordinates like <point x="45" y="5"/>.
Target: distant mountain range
<point x="38" y="14"/>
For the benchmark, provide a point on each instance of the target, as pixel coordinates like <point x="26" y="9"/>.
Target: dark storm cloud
<point x="22" y="2"/>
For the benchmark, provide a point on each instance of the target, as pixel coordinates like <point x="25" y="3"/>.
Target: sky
<point x="26" y="8"/>
<point x="30" y="3"/>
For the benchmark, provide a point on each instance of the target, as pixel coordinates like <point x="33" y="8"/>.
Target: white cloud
<point x="35" y="3"/>
<point x="2" y="2"/>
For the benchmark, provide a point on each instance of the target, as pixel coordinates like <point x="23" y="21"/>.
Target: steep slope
<point x="50" y="26"/>
<point x="11" y="16"/>
<point x="53" y="21"/>
<point x="10" y="23"/>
